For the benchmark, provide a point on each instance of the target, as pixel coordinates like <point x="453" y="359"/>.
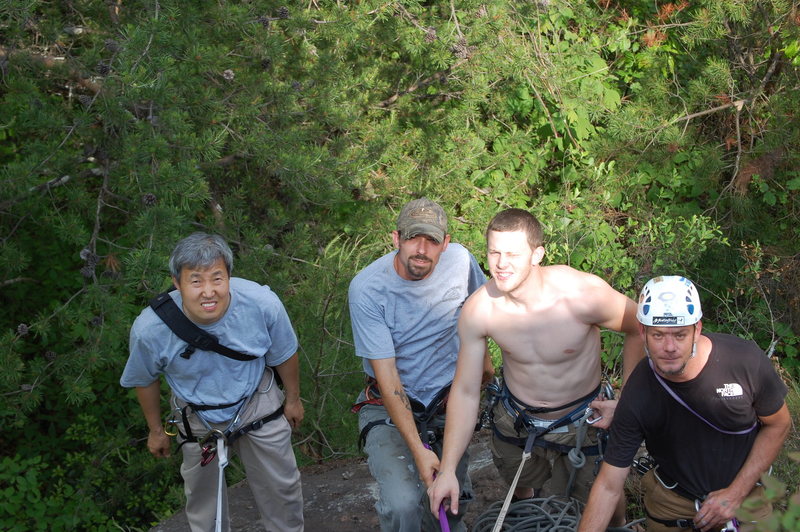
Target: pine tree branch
<point x="17" y="280"/>
<point x="441" y="75"/>
<point x="52" y="62"/>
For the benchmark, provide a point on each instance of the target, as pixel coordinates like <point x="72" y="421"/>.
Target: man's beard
<point x="418" y="272"/>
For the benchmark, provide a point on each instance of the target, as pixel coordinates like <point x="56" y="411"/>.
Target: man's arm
<point x="462" y="406"/>
<point x="617" y="312"/>
<point x="398" y="406"/>
<point x="289" y="371"/>
<point x="721" y="505"/>
<point x="606" y="493"/>
<point x="150" y="400"/>
<point x="633" y="345"/>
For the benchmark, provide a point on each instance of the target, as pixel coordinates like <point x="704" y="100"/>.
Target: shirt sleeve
<point x="371" y="335"/>
<point x="771" y="391"/>
<point x="284" y="340"/>
<point x="476" y="276"/>
<point x="144" y="363"/>
<point x="626" y="432"/>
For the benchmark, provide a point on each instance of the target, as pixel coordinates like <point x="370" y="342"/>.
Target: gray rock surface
<point x="340" y="496"/>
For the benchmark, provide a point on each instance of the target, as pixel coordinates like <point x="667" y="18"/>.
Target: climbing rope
<point x="551" y="514"/>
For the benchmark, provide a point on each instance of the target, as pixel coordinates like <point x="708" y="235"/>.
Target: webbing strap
<point x="592" y="450"/>
<point x="672" y="523"/>
<point x="166" y="309"/>
<point x="690" y="409"/>
<point x="189" y="437"/>
<point x="422" y="415"/>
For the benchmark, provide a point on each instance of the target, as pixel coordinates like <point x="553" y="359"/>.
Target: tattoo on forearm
<point x="403" y="398"/>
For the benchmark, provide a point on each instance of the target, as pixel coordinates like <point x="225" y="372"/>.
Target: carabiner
<point x="214" y="434"/>
<point x="171" y="421"/>
<point x="588" y="414"/>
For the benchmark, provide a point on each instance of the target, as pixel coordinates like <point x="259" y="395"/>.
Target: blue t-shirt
<point x="255" y="323"/>
<point x="413" y="321"/>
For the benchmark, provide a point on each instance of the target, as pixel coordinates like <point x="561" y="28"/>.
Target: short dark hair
<point x="199" y="250"/>
<point x="518" y="220"/>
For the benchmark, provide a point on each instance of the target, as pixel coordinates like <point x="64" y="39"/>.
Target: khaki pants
<point x="268" y="460"/>
<point x="665" y="504"/>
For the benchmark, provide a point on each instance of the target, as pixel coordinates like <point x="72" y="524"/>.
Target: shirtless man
<point x="546" y="321"/>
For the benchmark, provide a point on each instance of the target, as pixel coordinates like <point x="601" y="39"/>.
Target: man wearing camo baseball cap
<point x="404" y="308"/>
<point x="422" y="217"/>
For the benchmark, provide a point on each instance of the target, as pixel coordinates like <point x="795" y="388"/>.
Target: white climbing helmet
<point x="669" y="301"/>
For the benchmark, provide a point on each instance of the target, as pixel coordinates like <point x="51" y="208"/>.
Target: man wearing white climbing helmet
<point x="710" y="409"/>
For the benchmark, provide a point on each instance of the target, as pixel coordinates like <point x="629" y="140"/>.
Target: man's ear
<point x="176" y="283"/>
<point x="396" y="239"/>
<point x="446" y="242"/>
<point x="538" y="255"/>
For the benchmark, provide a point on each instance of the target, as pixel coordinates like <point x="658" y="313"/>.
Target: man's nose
<point x="669" y="343"/>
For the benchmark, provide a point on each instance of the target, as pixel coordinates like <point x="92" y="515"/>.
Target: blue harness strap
<point x="523" y="420"/>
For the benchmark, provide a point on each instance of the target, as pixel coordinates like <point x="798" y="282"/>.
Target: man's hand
<point x="719" y="507"/>
<point x="444" y="490"/>
<point x="294" y="412"/>
<point x="427" y="464"/>
<point x="158" y="443"/>
<point x="603" y="412"/>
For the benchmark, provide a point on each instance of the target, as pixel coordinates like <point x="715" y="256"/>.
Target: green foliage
<point x="785" y="516"/>
<point x="648" y="138"/>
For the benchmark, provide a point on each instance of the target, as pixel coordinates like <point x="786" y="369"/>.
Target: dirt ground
<point x="340" y="495"/>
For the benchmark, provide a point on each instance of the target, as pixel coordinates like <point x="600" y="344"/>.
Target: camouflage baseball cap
<point x="422" y="217"/>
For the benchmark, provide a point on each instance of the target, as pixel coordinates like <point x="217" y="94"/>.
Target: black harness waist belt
<point x="672" y="523"/>
<point x="422" y="414"/>
<point x="233" y="435"/>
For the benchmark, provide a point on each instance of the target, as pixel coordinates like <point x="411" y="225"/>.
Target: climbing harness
<point x="422" y="415"/>
<point x="538" y="428"/>
<point x="215" y="442"/>
<point x="645" y="463"/>
<point x="550" y="514"/>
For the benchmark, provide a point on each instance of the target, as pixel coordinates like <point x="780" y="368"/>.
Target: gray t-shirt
<point x="255" y="324"/>
<point x="413" y="321"/>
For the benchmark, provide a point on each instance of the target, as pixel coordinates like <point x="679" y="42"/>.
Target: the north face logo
<point x="730" y="390"/>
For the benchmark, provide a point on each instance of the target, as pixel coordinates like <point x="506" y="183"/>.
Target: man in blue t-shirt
<point x="213" y="394"/>
<point x="404" y="308"/>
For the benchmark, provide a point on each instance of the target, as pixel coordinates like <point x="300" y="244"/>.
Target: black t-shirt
<point x="737" y="384"/>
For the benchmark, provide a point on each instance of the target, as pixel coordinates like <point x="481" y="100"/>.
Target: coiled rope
<point x="551" y="514"/>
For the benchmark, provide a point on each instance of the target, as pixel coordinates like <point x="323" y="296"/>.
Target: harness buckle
<point x="684" y="523"/>
<point x="643" y="464"/>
